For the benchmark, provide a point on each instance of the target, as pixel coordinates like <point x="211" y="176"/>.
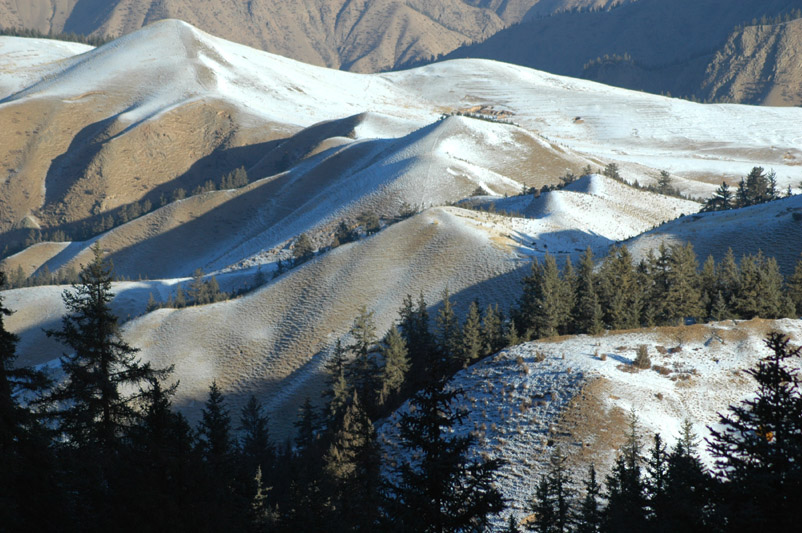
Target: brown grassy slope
<point x="358" y="35"/>
<point x="266" y="343"/>
<point x="758" y="64"/>
<point x="67" y="162"/>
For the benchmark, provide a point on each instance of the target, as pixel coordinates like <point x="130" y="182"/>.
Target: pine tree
<point x="688" y="488"/>
<point x="708" y="279"/>
<point x="553" y="499"/>
<point x="589" y="516"/>
<point x="161" y="483"/>
<point x="655" y="484"/>
<point x="414" y="326"/>
<point x="683" y="294"/>
<point x="353" y="463"/>
<point x="440" y="491"/>
<point x="795" y="287"/>
<point x="396" y="365"/>
<point x="471" y="348"/>
<point x="93" y="411"/>
<point x="362" y="373"/>
<point x="721" y="200"/>
<point x="587" y="313"/>
<point x="180" y="298"/>
<point x="337" y="390"/>
<point x="217" y="447"/>
<point x="626" y="503"/>
<point x="198" y="293"/>
<point x="257" y="451"/>
<point x="729" y="276"/>
<point x="621" y="292"/>
<point x="303" y="250"/>
<point x="492" y="330"/>
<point x="306" y="427"/>
<point x="29" y="496"/>
<point x="542" y="309"/>
<point x="759" y="449"/>
<point x="448" y="333"/>
<point x="214" y="431"/>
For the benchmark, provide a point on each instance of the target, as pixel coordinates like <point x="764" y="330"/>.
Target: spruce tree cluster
<point x="665" y="288"/>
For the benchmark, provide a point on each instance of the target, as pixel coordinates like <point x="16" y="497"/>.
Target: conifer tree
<point x="471" y="348"/>
<point x="337" y="390"/>
<point x="442" y="490"/>
<point x="29" y="497"/>
<point x="587" y="314"/>
<point x="92" y="409"/>
<point x="621" y="292"/>
<point x="492" y="330"/>
<point x="759" y="450"/>
<point x="396" y="365"/>
<point x="683" y="295"/>
<point x="721" y="200"/>
<point x="655" y="483"/>
<point x="708" y="284"/>
<point x="553" y="499"/>
<point x="306" y="427"/>
<point x="448" y="333"/>
<point x="729" y="277"/>
<point x="626" y="503"/>
<point x="362" y="372"/>
<point x="420" y="341"/>
<point x="589" y="516"/>
<point x="688" y="488"/>
<point x="214" y="431"/>
<point x="353" y="463"/>
<point x="542" y="308"/>
<point x="197" y="289"/>
<point x="257" y="451"/>
<point x="795" y="288"/>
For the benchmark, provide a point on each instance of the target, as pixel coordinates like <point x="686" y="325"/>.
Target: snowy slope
<point x="774" y="227"/>
<point x="579" y="396"/>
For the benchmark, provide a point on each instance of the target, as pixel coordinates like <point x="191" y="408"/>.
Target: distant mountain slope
<point x="773" y="227"/>
<point x="358" y="35"/>
<point x="759" y="64"/>
<point x="654" y="45"/>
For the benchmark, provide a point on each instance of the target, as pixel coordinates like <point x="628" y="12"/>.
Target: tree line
<point x="664" y="288"/>
<point x="756" y="188"/>
<point x="104" y="447"/>
<point x="97" y="224"/>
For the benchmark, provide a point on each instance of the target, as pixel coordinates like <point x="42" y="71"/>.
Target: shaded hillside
<point x="758" y="64"/>
<point x="353" y="35"/>
<point x="652" y="45"/>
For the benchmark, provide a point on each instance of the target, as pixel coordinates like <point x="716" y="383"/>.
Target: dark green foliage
<point x="362" y="372"/>
<point x="587" y="312"/>
<point x="759" y="449"/>
<point x="91" y="40"/>
<point x="258" y="452"/>
<point x="352" y="462"/>
<point x="492" y="330"/>
<point x="440" y="491"/>
<point x="721" y="200"/>
<point x="626" y="499"/>
<point x="588" y="518"/>
<point x="471" y="347"/>
<point x="543" y="309"/>
<point x="303" y="249"/>
<point x="620" y="290"/>
<point x="448" y="333"/>
<point x="553" y="499"/>
<point x="795" y="288"/>
<point x="93" y="411"/>
<point x="29" y="497"/>
<point x="396" y="365"/>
